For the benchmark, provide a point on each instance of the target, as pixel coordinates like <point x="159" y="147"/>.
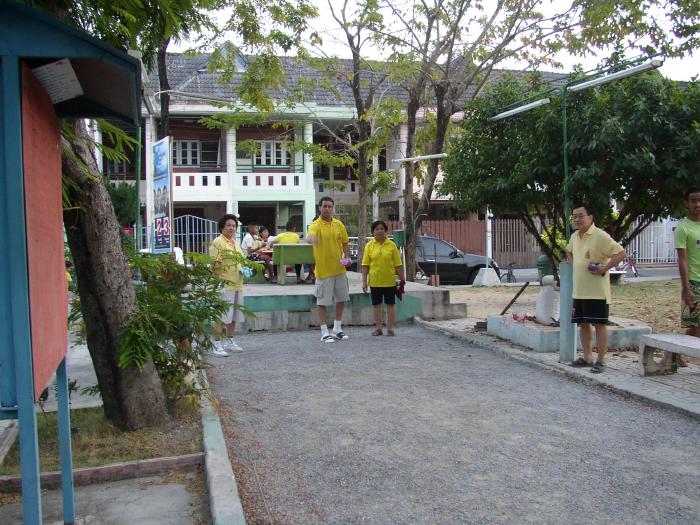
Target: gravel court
<point x="423" y="428"/>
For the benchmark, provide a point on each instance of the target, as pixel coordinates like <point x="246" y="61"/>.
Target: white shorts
<point x="335" y="287"/>
<point x="234" y="315"/>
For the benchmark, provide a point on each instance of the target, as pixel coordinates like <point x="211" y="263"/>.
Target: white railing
<point x="656" y="244"/>
<point x="194" y="234"/>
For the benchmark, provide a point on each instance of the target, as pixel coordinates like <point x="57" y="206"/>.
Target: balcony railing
<point x="202" y="167"/>
<point x="255" y="168"/>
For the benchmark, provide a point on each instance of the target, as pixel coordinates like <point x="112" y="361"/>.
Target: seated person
<point x="266" y="239"/>
<point x="290" y="237"/>
<point x="252" y="246"/>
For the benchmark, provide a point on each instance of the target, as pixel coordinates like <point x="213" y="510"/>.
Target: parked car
<point x="453" y="265"/>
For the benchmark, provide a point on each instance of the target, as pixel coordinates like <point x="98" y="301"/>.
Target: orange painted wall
<point x="48" y="289"/>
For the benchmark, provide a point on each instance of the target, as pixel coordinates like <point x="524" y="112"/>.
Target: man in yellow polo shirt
<point x="593" y="253"/>
<point x="330" y="240"/>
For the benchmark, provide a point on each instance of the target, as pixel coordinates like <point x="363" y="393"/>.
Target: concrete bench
<point x="676" y="343"/>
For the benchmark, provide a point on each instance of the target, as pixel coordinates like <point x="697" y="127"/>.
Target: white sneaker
<point x="218" y="350"/>
<point x="341" y="335"/>
<point x="232" y="346"/>
<point x="328" y="339"/>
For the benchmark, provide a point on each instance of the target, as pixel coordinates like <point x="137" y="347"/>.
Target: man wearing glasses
<point x="592" y="252"/>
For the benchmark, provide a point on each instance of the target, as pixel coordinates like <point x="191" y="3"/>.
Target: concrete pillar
<point x="149" y="134"/>
<point x="567" y="330"/>
<point x="310" y="200"/>
<point x="232" y="185"/>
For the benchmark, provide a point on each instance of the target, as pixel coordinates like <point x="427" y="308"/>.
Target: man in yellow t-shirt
<point x="688" y="249"/>
<point x="330" y="240"/>
<point x="593" y="253"/>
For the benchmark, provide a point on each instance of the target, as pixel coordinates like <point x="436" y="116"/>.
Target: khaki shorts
<point x="234" y="315"/>
<point x="332" y="288"/>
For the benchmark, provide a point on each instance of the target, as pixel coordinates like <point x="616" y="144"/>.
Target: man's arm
<point x="346" y="250"/>
<point x="612" y="262"/>
<point x="686" y="291"/>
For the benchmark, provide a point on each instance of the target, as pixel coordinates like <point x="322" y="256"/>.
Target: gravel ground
<point x="421" y="428"/>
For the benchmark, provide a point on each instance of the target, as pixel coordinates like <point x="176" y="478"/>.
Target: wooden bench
<point x="676" y="343"/>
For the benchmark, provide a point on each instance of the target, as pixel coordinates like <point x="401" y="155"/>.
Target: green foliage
<point x="177" y="308"/>
<point x="632" y="141"/>
<point x="350" y="215"/>
<point x="124" y="200"/>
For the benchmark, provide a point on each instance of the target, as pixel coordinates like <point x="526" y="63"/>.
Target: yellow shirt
<point x="331" y="235"/>
<point x="595" y="246"/>
<point x="287" y="238"/>
<point x="221" y="250"/>
<point x="382" y="259"/>
<point x="688" y="239"/>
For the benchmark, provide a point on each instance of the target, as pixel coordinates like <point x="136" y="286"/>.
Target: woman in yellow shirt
<point x="381" y="263"/>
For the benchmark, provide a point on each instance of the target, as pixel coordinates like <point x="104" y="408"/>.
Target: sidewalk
<point x="679" y="391"/>
<point x="163" y="491"/>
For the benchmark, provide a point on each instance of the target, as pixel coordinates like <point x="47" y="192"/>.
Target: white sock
<point x="337" y="326"/>
<point x="324" y="330"/>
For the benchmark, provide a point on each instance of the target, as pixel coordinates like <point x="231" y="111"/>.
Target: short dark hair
<point x="324" y="199"/>
<point x="378" y="223"/>
<point x="692" y="189"/>
<point x="227" y="217"/>
<point x="262" y="229"/>
<point x="585" y="206"/>
<point x="250" y="227"/>
<point x="291" y="225"/>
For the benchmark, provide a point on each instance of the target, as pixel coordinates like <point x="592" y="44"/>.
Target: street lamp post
<point x="567" y="331"/>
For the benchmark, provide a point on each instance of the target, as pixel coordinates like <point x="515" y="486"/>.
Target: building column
<point x="310" y="201"/>
<point x="232" y="185"/>
<point x="149" y="135"/>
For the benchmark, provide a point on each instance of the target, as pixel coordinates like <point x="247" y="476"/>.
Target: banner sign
<point x="162" y="198"/>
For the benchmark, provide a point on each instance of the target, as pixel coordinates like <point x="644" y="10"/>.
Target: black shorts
<point x="388" y="293"/>
<point x="594" y="311"/>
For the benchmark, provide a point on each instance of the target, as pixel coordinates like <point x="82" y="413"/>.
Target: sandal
<point x="377" y="332"/>
<point x="597" y="367"/>
<point x="390" y="332"/>
<point x="580" y="363"/>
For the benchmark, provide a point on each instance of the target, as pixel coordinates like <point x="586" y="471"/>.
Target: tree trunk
<point x="132" y="398"/>
<point x="362" y="174"/>
<point x="408" y="218"/>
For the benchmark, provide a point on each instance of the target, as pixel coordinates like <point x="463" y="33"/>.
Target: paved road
<point x="422" y="428"/>
<point x="645" y="273"/>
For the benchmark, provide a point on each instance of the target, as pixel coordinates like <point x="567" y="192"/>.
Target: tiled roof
<point x="189" y="73"/>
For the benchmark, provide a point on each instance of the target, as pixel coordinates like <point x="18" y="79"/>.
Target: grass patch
<point x="97" y="442"/>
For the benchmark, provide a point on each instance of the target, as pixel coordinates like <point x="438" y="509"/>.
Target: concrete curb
<point x="224" y="501"/>
<point x="112" y="472"/>
<point x="515" y="353"/>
